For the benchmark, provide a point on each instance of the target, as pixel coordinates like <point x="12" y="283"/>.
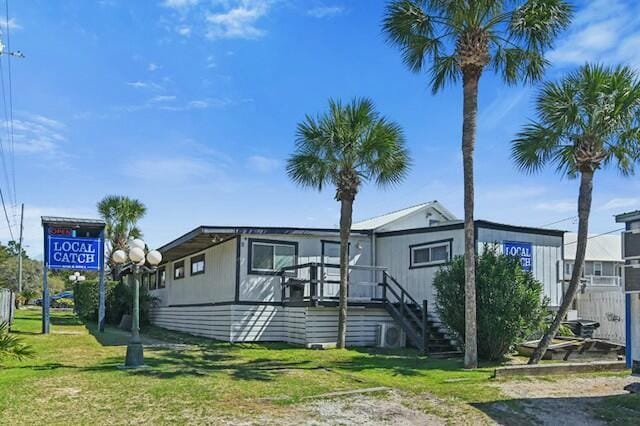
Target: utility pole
<point x="20" y="250"/>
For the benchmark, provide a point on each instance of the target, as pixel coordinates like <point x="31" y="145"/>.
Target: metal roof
<point x="387" y="218"/>
<point x="68" y="221"/>
<point x="628" y="216"/>
<point x="204" y="237"/>
<point x="607" y="248"/>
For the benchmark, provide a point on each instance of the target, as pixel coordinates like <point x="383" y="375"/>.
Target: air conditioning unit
<point x="390" y="336"/>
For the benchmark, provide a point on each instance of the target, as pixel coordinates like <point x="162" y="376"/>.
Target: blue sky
<point x="191" y="107"/>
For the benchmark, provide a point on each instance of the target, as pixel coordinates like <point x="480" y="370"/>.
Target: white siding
<point x="393" y="253"/>
<point x="266" y="288"/>
<point x="546" y="256"/>
<point x="266" y="323"/>
<point x="206" y="321"/>
<point x="217" y="284"/>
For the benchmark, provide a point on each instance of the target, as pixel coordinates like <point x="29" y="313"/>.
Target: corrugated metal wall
<point x="7" y="300"/>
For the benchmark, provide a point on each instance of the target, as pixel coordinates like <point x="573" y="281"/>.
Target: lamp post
<point x="76" y="277"/>
<point x="136" y="256"/>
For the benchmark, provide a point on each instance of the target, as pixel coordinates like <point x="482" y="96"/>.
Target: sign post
<point x="72" y="244"/>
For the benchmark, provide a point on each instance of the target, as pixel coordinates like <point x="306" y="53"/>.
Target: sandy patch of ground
<point x="565" y="402"/>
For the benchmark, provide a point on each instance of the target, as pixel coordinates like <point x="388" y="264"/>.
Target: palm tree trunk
<point x="584" y="209"/>
<point x="346" y="210"/>
<point x="469" y="119"/>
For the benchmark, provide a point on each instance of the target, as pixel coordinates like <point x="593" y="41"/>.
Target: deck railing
<point x="307" y="284"/>
<point x="310" y="282"/>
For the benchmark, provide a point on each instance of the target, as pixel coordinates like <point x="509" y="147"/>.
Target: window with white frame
<point x="268" y="257"/>
<point x="597" y="269"/>
<point x="197" y="265"/>
<point x="430" y="254"/>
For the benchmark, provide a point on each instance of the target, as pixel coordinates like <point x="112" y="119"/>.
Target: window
<point x="430" y="254"/>
<point x="162" y="277"/>
<point x="178" y="270"/>
<point x="197" y="265"/>
<point x="568" y="269"/>
<point x="153" y="281"/>
<point x="268" y="257"/>
<point x="597" y="269"/>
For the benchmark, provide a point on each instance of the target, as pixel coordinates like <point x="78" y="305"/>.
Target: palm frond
<point x="349" y="137"/>
<point x="534" y="146"/>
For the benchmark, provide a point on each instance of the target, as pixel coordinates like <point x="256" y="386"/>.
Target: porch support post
<point x="313" y="283"/>
<point x="425" y="328"/>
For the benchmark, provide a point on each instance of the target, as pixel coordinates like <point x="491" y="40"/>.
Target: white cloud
<point x="153" y="67"/>
<point x="184" y="30"/>
<point x="494" y="114"/>
<point x="37" y="135"/>
<point x="603" y="31"/>
<point x="238" y="20"/>
<point x="558" y="206"/>
<point x="12" y="24"/>
<point x="620" y="203"/>
<point x="144" y="85"/>
<point x="163" y="98"/>
<point x="262" y="164"/>
<point x="325" y="11"/>
<point x="179" y="4"/>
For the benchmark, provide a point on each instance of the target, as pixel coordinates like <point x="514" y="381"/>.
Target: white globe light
<point x="137" y="243"/>
<point x="82" y="278"/>
<point x="136" y="255"/>
<point x="154" y="257"/>
<point x="119" y="256"/>
<point x="72" y="277"/>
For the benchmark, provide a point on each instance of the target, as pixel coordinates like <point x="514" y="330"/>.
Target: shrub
<point x="11" y="346"/>
<point x="509" y="301"/>
<point x="118" y="301"/>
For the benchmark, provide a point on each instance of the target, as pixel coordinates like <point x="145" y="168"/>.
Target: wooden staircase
<point x="423" y="330"/>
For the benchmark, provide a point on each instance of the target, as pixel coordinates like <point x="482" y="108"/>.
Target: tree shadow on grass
<point x="615" y="410"/>
<point x="168" y="364"/>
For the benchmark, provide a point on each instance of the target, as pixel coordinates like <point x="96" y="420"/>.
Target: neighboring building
<point x="603" y="260"/>
<point x="601" y="297"/>
<point x="252" y="283"/>
<point x="631" y="279"/>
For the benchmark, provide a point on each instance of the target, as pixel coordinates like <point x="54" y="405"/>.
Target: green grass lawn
<point x="73" y="377"/>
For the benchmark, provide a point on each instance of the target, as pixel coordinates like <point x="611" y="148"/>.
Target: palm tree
<point x="458" y="40"/>
<point x="588" y="120"/>
<point x="121" y="215"/>
<point x="344" y="147"/>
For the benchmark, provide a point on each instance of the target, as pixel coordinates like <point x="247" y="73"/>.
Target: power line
<point x="598" y="235"/>
<point x="6" y="216"/>
<point x="559" y="221"/>
<point x="13" y="160"/>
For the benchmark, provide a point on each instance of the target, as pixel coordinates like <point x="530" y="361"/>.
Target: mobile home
<point x="246" y="284"/>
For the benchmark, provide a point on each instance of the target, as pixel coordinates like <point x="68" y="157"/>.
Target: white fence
<point x="6" y="305"/>
<point x="606" y="307"/>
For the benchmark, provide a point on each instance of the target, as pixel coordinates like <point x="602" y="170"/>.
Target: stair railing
<point x="407" y="307"/>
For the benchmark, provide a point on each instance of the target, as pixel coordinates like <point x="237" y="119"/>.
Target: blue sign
<point x="74" y="253"/>
<point x="522" y="251"/>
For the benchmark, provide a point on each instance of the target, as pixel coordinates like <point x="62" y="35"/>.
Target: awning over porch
<point x="204" y="237"/>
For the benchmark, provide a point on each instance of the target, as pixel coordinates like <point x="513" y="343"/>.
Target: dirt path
<point x="564" y="402"/>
